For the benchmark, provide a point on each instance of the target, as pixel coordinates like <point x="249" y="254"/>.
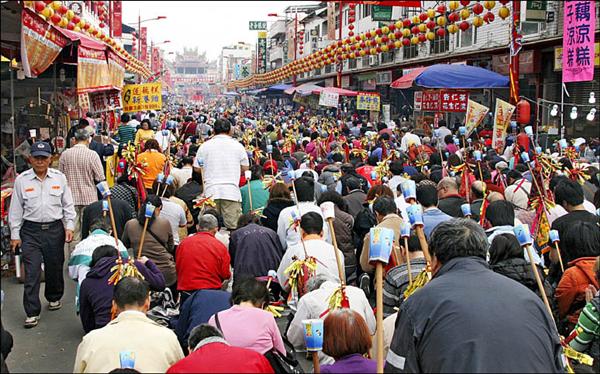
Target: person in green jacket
<point x="259" y="194"/>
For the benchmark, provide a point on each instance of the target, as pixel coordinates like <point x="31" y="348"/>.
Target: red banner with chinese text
<point x="40" y="44"/>
<point x="144" y="44"/>
<point x="444" y="101"/>
<point x="92" y="70"/>
<point x="117" y="19"/>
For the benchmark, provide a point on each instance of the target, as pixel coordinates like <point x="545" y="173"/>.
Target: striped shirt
<point x="589" y="325"/>
<point x="126" y="133"/>
<point x="83" y="170"/>
<point x="396" y="282"/>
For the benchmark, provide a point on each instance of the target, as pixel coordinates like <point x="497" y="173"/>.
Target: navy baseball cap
<point x="41" y="149"/>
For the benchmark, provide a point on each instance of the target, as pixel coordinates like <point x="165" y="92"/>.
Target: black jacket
<point x="121" y="212"/>
<point x="272" y="210"/>
<point x="451" y="206"/>
<point x="468" y="319"/>
<point x="519" y="270"/>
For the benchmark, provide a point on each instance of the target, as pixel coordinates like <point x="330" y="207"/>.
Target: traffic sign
<point x="257" y="25"/>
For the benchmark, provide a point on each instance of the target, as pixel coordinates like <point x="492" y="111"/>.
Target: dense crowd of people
<point x="237" y="229"/>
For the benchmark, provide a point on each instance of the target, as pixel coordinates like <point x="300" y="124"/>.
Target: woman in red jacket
<point x="581" y="245"/>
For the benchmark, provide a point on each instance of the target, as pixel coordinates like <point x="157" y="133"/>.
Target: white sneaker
<point x="31" y="322"/>
<point x="54" y="305"/>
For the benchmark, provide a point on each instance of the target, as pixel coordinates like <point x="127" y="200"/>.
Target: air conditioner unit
<point x="373" y="60"/>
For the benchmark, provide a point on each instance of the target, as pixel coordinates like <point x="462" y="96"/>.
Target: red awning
<point x="406" y="81"/>
<point x="85" y="41"/>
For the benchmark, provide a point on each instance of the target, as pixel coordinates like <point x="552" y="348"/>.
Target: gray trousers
<point x="42" y="243"/>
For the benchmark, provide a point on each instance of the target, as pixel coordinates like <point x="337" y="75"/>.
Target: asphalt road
<point x="51" y="346"/>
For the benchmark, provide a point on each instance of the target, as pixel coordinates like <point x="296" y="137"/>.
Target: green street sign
<point x="257" y="25"/>
<point x="381" y="13"/>
<point x="536" y="11"/>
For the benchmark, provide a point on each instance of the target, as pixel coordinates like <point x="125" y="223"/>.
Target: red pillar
<point x="516" y="40"/>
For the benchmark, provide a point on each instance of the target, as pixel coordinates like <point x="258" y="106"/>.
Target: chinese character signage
<point x="536" y="11"/>
<point x="475" y="114"/>
<point x="502" y="116"/>
<point x="441" y="101"/>
<point x="137" y="97"/>
<point x="368" y="101"/>
<point x="453" y="101"/>
<point x="116" y="69"/>
<point x="104" y="101"/>
<point x="578" y="41"/>
<point x="143" y="44"/>
<point x="261" y="53"/>
<point x="92" y="70"/>
<point x="257" y="25"/>
<point x="117" y="19"/>
<point x="329" y="99"/>
<point x="381" y="13"/>
<point x="40" y="44"/>
<point x="558" y="54"/>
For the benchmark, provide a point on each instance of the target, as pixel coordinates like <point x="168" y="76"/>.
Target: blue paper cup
<point x="104" y="189"/>
<point x="538" y="150"/>
<point x="160" y="178"/>
<point x="169" y="180"/>
<point x="269" y="148"/>
<point x="409" y="190"/>
<point x="563" y="143"/>
<point x="415" y="214"/>
<point x="149" y="210"/>
<point x="554" y="237"/>
<point x="477" y="155"/>
<point x="381" y="241"/>
<point x="313" y="334"/>
<point x="466" y="209"/>
<point x="105" y="205"/>
<point x="456" y="141"/>
<point x="525" y="157"/>
<point x="523" y="235"/>
<point x="374" y="175"/>
<point x="165" y="132"/>
<point x="127" y="359"/>
<point x="405" y="229"/>
<point x="529" y="130"/>
<point x="462" y="130"/>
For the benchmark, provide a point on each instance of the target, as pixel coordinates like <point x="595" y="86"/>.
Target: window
<point x="440" y="45"/>
<point x="328" y="69"/>
<point x="529" y="28"/>
<point x="352" y="63"/>
<point x="306" y="36"/>
<point x="365" y="61"/>
<point x="366" y="10"/>
<point x="324" y="29"/>
<point x="387" y="57"/>
<point x="317" y="30"/>
<point x="317" y="72"/>
<point x="411" y="51"/>
<point x="467" y="38"/>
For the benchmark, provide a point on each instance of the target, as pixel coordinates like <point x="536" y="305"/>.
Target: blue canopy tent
<point x="452" y="76"/>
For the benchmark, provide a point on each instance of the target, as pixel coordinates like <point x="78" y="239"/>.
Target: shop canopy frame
<point x="451" y="76"/>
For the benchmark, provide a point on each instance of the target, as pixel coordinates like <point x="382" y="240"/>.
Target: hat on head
<point x="41" y="149"/>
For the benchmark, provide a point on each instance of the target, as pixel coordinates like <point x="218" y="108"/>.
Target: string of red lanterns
<point x="59" y="15"/>
<point x="445" y="18"/>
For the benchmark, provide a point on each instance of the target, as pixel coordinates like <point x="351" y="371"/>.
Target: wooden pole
<point x="112" y="224"/>
<point x="315" y="360"/>
<point x="379" y="315"/>
<point x="538" y="280"/>
<point x="338" y="259"/>
<point x="410" y="280"/>
<point x="139" y="254"/>
<point x="562" y="267"/>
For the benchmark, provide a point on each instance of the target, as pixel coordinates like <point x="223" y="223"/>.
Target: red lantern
<point x="465" y="2"/>
<point x="423" y="17"/>
<point x="351" y="33"/>
<point x="385" y="39"/>
<point x="464" y="25"/>
<point x="523" y="112"/>
<point x="55" y="18"/>
<point x="398" y="34"/>
<point x="39" y="6"/>
<point x="431" y="25"/>
<point x="441" y="32"/>
<point x="350" y="27"/>
<point x="406" y="23"/>
<point x="441" y="9"/>
<point x="478" y="8"/>
<point x="415" y="30"/>
<point x="87" y="26"/>
<point x="368" y="35"/>
<point x="489" y="17"/>
<point x="76" y="20"/>
<point x="503" y="2"/>
<point x="422" y="38"/>
<point x="391" y="46"/>
<point x="351" y="12"/>
<point x="351" y="19"/>
<point x="62" y="9"/>
<point x="453" y="17"/>
<point x="352" y="6"/>
<point x="70" y="26"/>
<point x="392" y="27"/>
<point x="378" y="31"/>
<point x="101" y="25"/>
<point x="101" y="18"/>
<point x="406" y="42"/>
<point x="378" y="49"/>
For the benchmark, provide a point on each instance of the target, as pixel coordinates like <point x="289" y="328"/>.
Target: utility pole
<point x="515" y="47"/>
<point x="340" y="63"/>
<point x="295" y="44"/>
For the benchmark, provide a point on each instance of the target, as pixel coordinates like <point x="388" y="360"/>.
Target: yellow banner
<point x="368" y="101"/>
<point x="502" y="116"/>
<point x="137" y="97"/>
<point x="475" y="114"/>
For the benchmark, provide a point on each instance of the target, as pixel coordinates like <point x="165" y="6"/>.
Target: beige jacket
<point x="391" y="221"/>
<point x="155" y="348"/>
